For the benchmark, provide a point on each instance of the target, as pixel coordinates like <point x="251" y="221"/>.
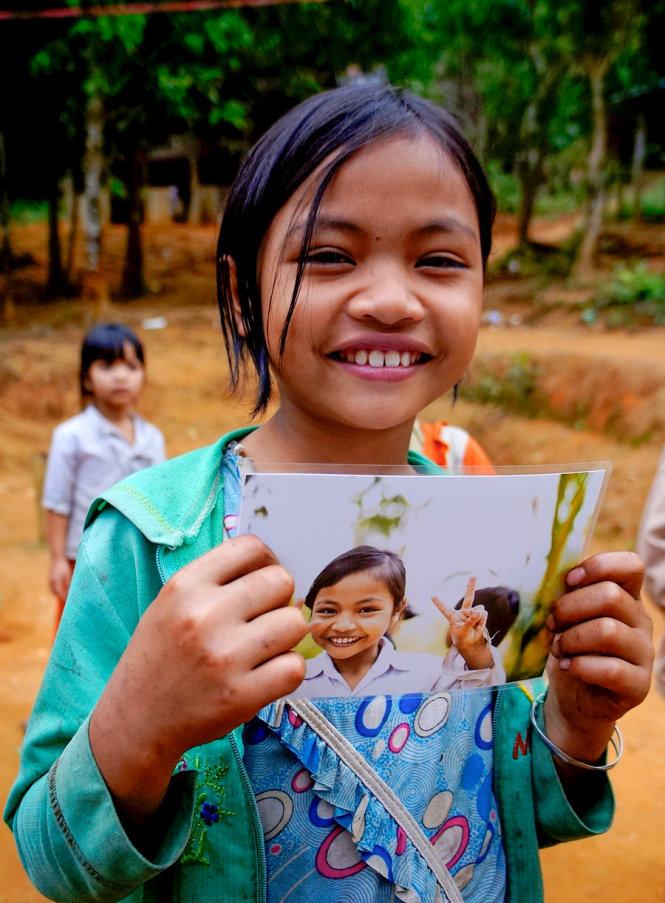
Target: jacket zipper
<point x="259" y="847"/>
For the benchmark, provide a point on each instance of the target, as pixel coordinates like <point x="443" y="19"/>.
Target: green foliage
<point x="634" y="296"/>
<point x="634" y="284"/>
<point x="512" y="389"/>
<point x="505" y="187"/>
<point x="652" y="205"/>
<point x="22" y="211"/>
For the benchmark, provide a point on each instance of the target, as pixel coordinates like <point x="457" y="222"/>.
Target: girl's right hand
<point x="210" y="651"/>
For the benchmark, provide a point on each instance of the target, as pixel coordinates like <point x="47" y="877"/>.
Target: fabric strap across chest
<point x="377" y="786"/>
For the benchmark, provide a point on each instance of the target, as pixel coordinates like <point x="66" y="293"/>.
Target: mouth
<point x="341" y="641"/>
<point x="375" y="359"/>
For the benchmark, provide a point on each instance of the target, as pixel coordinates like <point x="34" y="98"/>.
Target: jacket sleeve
<point x="533" y="805"/>
<point x="556" y="818"/>
<point x="651" y="537"/>
<point x="69" y="836"/>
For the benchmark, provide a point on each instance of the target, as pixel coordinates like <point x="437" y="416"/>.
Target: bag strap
<point x="378" y="787"/>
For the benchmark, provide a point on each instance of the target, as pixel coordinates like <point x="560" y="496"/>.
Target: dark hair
<point x="106" y="342"/>
<point x="333" y="124"/>
<point x="386" y="566"/>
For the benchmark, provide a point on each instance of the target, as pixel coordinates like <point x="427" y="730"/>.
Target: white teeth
<point x="378" y="359"/>
<point x="343" y="641"/>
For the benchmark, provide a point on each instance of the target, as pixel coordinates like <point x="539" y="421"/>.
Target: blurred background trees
<point x="121" y="117"/>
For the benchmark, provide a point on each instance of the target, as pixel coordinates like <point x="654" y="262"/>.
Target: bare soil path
<point x="186" y="396"/>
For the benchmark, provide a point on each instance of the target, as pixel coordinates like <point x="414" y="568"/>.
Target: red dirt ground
<point x="186" y="396"/>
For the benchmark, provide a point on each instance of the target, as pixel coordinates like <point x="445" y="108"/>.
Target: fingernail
<point x="575" y="577"/>
<point x="564" y="663"/>
<point x="550" y="623"/>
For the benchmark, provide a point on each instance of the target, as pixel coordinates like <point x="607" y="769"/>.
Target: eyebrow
<point x="448" y="224"/>
<point x="362" y="601"/>
<point x="325" y="222"/>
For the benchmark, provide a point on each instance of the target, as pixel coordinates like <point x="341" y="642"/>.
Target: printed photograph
<point x="422" y="584"/>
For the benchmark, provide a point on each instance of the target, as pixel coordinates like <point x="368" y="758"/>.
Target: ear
<point x="398" y="611"/>
<point x="235" y="296"/>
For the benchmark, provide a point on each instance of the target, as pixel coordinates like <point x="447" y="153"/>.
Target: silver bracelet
<point x="616" y="740"/>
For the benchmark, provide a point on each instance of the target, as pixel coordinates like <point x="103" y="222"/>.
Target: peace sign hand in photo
<point x="468" y="630"/>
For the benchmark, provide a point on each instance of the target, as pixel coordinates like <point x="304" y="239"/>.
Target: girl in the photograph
<point x="356" y="602"/>
<point x="161" y="761"/>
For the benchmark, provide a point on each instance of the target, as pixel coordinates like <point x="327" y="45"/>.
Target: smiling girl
<point x="356" y="602"/>
<point x="350" y="273"/>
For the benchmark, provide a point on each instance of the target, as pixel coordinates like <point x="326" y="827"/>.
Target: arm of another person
<point x="651" y="538"/>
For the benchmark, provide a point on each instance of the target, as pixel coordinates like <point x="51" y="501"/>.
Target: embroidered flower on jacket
<point x="209" y="813"/>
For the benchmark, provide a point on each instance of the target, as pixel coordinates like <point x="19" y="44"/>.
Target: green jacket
<point x="69" y="837"/>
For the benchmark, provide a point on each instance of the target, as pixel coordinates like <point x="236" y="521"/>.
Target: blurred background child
<point x="98" y="447"/>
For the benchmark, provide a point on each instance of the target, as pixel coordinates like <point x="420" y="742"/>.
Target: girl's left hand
<point x="601" y="656"/>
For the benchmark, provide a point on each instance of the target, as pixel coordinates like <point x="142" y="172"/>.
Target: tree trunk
<point x="72" y="204"/>
<point x="596" y="169"/>
<point x="133" y="280"/>
<point x="637" y="168"/>
<point x="56" y="281"/>
<point x="95" y="286"/>
<point x="530" y="175"/>
<point x="6" y="256"/>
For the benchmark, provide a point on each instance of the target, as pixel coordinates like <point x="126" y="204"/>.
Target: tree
<point x="604" y="31"/>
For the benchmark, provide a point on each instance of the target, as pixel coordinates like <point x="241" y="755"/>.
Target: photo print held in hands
<point x="423" y="584"/>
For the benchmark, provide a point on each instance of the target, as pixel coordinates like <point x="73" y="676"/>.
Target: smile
<point x="378" y="359"/>
<point x="342" y="640"/>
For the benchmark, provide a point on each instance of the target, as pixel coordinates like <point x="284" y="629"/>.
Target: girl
<point x="351" y="261"/>
<point x="100" y="446"/>
<point x="356" y="601"/>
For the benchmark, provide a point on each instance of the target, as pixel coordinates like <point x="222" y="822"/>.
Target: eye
<point x="327" y="257"/>
<point x="369" y="610"/>
<point x="441" y="262"/>
<point x="326" y="611"/>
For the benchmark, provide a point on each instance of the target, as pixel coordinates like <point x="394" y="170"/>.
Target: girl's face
<point x="350" y="617"/>
<point x="389" y="309"/>
<point x="115" y="386"/>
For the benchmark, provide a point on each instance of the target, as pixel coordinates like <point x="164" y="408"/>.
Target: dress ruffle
<point x="380" y="842"/>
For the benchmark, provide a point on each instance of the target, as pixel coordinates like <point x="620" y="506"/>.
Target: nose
<point x="386" y="296"/>
<point x="344" y="623"/>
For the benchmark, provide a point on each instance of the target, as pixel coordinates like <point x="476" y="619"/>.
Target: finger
<point x="624" y="568"/>
<point x="605" y="599"/>
<point x="604" y="636"/>
<point x="273" y="634"/>
<point x="299" y="604"/>
<point x="228" y="561"/>
<point x="254" y="594"/>
<point x="449" y="615"/>
<point x="612" y="674"/>
<point x="469" y="594"/>
<point x="278" y="677"/>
